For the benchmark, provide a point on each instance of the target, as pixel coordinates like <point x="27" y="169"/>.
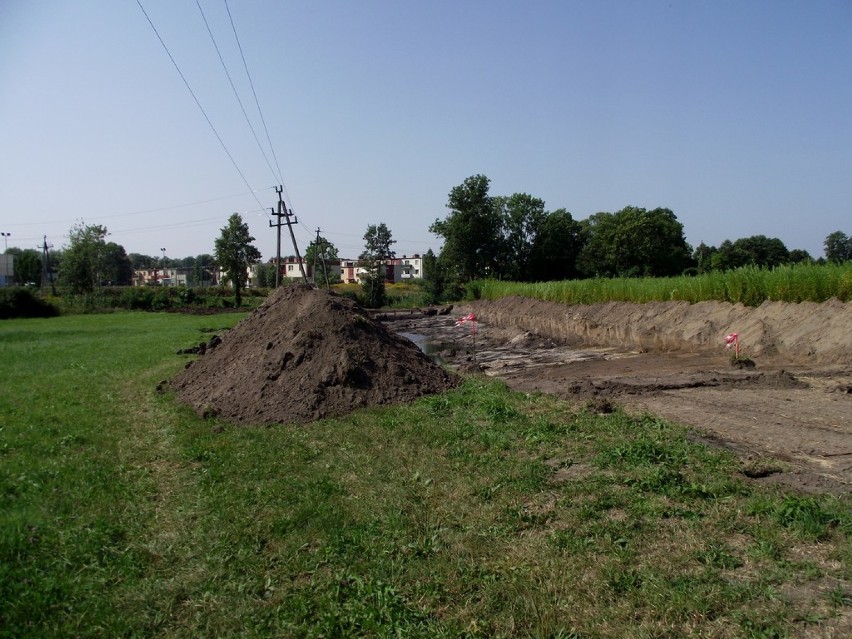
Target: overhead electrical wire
<point x="139" y="212"/>
<point x="256" y="101"/>
<point x="201" y="108"/>
<point x="236" y="94"/>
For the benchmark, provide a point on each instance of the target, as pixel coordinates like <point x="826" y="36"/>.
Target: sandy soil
<point x="789" y="416"/>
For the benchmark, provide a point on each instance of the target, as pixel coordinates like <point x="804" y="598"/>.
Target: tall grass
<point x="749" y="285"/>
<point x="476" y="513"/>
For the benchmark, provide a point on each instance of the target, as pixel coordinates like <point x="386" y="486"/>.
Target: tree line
<point x="515" y="238"/>
<point x="510" y="238"/>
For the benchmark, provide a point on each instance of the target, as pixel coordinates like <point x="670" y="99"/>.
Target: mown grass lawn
<point x="479" y="513"/>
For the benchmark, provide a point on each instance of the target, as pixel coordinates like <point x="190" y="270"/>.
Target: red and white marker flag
<point x="468" y="318"/>
<point x="733" y="340"/>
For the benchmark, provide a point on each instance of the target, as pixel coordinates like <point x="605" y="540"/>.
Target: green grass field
<point x="479" y="513"/>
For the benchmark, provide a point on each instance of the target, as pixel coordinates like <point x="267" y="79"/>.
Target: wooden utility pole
<point x="279" y="215"/>
<point x="283" y="212"/>
<point x="321" y="243"/>
<point x="45" y="266"/>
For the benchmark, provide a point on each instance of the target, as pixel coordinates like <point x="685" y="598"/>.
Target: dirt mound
<point x="804" y="333"/>
<point x="304" y="355"/>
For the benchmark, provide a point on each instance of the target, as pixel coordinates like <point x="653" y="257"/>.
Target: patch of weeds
<point x="809" y="516"/>
<point x="662" y="480"/>
<point x="765" y="549"/>
<point x="440" y="405"/>
<point x="640" y="452"/>
<point x="357" y="606"/>
<point x="623" y="581"/>
<point x="525" y="518"/>
<point x="545" y="431"/>
<point x="840" y="597"/>
<point x="499" y="410"/>
<point x="754" y="625"/>
<point x="571" y="542"/>
<point x="718" y="556"/>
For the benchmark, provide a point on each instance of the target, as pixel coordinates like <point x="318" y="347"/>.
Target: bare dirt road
<point x="789" y="417"/>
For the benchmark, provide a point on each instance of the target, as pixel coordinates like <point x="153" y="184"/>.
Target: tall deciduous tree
<point x="83" y="262"/>
<point x="838" y="247"/>
<point x="703" y="257"/>
<point x="318" y="254"/>
<point x="522" y="217"/>
<point x="471" y="231"/>
<point x="377" y="249"/>
<point x="235" y="253"/>
<point x="556" y="247"/>
<point x="756" y="250"/>
<point x="635" y="242"/>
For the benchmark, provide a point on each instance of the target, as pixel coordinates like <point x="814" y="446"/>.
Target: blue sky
<point x="735" y="115"/>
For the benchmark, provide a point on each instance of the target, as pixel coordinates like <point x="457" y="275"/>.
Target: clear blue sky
<point x="737" y="115"/>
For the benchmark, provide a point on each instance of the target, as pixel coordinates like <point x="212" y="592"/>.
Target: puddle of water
<point x="432" y="349"/>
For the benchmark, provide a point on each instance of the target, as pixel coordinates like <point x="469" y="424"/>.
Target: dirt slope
<point x="790" y="417"/>
<point x="804" y="333"/>
<point x="303" y="355"/>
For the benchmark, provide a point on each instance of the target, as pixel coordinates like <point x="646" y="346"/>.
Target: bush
<point x="20" y="302"/>
<point x="137" y="298"/>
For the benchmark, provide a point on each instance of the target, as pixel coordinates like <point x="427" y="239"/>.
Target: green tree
<point x="264" y="273"/>
<point x="139" y="261"/>
<point x="756" y="250"/>
<point x="116" y="268"/>
<point x="27" y="266"/>
<point x="471" y="231"/>
<point x="235" y="253"/>
<point x="377" y="250"/>
<point x="437" y="284"/>
<point x="319" y="254"/>
<point x="703" y="257"/>
<point x="84" y="261"/>
<point x="838" y="247"/>
<point x="797" y="256"/>
<point x="522" y="217"/>
<point x="555" y="249"/>
<point x="635" y="242"/>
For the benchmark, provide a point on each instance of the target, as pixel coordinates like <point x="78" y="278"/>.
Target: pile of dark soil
<point x="303" y="355"/>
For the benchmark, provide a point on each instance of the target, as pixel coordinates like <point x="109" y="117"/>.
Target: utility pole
<point x="283" y="212"/>
<point x="277" y="225"/>
<point x="45" y="266"/>
<point x="316" y="250"/>
<point x="321" y="243"/>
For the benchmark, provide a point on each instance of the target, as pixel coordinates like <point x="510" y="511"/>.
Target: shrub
<point x="20" y="302"/>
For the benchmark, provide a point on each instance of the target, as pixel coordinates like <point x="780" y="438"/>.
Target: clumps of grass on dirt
<point x="478" y="512"/>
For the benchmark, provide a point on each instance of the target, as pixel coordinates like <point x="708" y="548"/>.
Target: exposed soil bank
<point x="790" y="417"/>
<point x="804" y="333"/>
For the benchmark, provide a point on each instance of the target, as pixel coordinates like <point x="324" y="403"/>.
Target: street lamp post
<point x="164" y="262"/>
<point x="6" y="237"/>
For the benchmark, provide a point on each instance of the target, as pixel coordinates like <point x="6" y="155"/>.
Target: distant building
<point x="397" y="269"/>
<point x="7" y="270"/>
<point x="160" y="277"/>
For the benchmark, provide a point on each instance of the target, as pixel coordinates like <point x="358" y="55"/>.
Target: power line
<point x="203" y="112"/>
<point x="139" y="212"/>
<point x="256" y="101"/>
<point x="236" y="94"/>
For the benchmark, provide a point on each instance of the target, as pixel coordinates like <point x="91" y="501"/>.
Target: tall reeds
<point x="749" y="285"/>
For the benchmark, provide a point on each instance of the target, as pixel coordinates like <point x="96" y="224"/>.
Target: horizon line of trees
<point x="485" y="236"/>
<point x="515" y="238"/>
